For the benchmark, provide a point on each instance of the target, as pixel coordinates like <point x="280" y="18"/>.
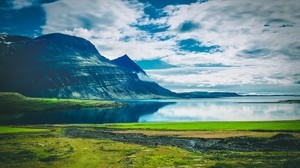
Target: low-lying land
<point x="289" y="125"/>
<point x="15" y="102"/>
<point x="111" y="146"/>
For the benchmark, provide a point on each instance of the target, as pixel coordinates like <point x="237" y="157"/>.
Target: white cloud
<point x="259" y="39"/>
<point x="104" y="23"/>
<point x="240" y="25"/>
<point x="19" y="4"/>
<point x="234" y="79"/>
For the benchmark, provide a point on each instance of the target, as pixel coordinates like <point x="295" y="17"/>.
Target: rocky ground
<point x="278" y="142"/>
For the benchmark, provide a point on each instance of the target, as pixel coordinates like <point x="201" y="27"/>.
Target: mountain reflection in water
<point x="131" y="112"/>
<point x="259" y="108"/>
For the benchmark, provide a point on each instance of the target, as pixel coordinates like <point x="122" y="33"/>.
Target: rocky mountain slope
<point x="63" y="66"/>
<point x="125" y="62"/>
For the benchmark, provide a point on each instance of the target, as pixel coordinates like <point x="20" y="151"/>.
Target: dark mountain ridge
<point x="58" y="65"/>
<point x="63" y="66"/>
<point x="127" y="63"/>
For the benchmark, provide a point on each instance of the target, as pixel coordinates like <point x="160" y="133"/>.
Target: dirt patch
<point x="206" y="134"/>
<point x="242" y="143"/>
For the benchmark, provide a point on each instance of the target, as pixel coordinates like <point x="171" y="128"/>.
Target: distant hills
<point x="190" y="95"/>
<point x="64" y="66"/>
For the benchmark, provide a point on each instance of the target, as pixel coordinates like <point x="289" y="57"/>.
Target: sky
<point x="248" y="47"/>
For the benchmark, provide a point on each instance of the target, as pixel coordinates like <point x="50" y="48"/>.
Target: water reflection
<point x="227" y="109"/>
<point x="221" y="109"/>
<point x="129" y="113"/>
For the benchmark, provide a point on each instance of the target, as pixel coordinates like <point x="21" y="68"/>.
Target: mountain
<point x="63" y="66"/>
<point x="6" y="41"/>
<point x="190" y="95"/>
<point x="125" y="62"/>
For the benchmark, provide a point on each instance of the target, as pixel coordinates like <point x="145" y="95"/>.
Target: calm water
<point x="219" y="109"/>
<point x="227" y="109"/>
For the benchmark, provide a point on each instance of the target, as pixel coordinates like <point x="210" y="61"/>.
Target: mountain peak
<point x="127" y="63"/>
<point x="59" y="36"/>
<point x="58" y="65"/>
<point x="64" y="38"/>
<point x="124" y="57"/>
<point x="68" y="44"/>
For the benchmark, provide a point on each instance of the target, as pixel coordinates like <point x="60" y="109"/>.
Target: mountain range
<point x="64" y="66"/>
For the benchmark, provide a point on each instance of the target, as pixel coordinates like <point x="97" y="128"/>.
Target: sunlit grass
<point x="53" y="149"/>
<point x="12" y="102"/>
<point x="211" y="126"/>
<point x="5" y="129"/>
<point x="35" y="151"/>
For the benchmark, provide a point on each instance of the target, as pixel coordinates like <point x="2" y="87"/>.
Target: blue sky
<point x="185" y="45"/>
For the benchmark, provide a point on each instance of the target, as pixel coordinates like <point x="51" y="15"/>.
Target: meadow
<point x="51" y="146"/>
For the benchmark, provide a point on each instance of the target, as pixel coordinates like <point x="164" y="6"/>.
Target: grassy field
<point x="36" y="151"/>
<point x="5" y="130"/>
<point x="15" y="102"/>
<point x="204" y="129"/>
<point x="213" y="126"/>
<point x="53" y="149"/>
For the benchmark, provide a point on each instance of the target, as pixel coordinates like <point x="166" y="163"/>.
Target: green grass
<point x="40" y="151"/>
<point x="211" y="126"/>
<point x="4" y="130"/>
<point x="15" y="102"/>
<point x="53" y="149"/>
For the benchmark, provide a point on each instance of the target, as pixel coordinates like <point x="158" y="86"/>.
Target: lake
<point x="213" y="109"/>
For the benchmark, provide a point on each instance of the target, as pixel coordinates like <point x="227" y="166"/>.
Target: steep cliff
<point x="58" y="65"/>
<point x="125" y="62"/>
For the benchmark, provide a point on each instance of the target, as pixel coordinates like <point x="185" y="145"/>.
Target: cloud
<point x="21" y="20"/>
<point x="234" y="79"/>
<point x="19" y="4"/>
<point x="212" y="65"/>
<point x="212" y="44"/>
<point x="152" y="28"/>
<point x="110" y="25"/>
<point x="100" y="15"/>
<point x="193" y="45"/>
<point x="154" y="64"/>
<point x="188" y="26"/>
<point x="292" y="51"/>
<point x="162" y="4"/>
<point x="255" y="53"/>
<point x="237" y="24"/>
